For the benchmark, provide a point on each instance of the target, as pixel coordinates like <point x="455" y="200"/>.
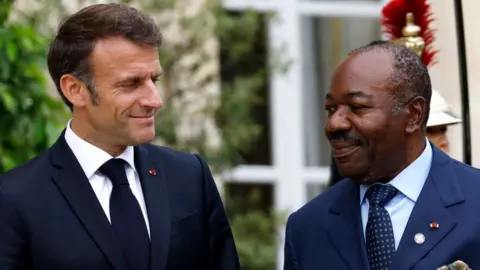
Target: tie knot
<point x="114" y="169"/>
<point x="379" y="195"/>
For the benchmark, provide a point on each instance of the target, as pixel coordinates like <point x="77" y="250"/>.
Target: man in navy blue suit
<point x="102" y="197"/>
<point x="404" y="203"/>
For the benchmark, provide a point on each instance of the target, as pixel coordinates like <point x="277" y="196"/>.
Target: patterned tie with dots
<point x="379" y="233"/>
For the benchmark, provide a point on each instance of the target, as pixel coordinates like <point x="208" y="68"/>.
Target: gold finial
<point x="411" y="38"/>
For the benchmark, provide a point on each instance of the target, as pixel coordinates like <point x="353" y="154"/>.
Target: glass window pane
<point x="333" y="39"/>
<point x="313" y="190"/>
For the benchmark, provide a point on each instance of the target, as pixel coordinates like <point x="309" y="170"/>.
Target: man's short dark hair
<point x="76" y="37"/>
<point x="410" y="78"/>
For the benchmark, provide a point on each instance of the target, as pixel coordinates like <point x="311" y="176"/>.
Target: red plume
<point x="394" y="19"/>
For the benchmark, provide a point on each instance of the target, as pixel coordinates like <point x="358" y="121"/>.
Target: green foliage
<point x="256" y="240"/>
<point x="5" y="6"/>
<point x="254" y="225"/>
<point x="30" y="118"/>
<point x="240" y="94"/>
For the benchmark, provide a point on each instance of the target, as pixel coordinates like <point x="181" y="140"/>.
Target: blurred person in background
<point x="103" y="197"/>
<point x="441" y="117"/>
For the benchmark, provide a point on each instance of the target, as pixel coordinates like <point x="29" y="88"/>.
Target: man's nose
<point x="152" y="99"/>
<point x="338" y="121"/>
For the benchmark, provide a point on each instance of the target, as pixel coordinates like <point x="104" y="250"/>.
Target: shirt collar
<point x="90" y="157"/>
<point x="410" y="181"/>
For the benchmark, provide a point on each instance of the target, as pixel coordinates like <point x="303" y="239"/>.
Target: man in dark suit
<point x="102" y="197"/>
<point x="404" y="204"/>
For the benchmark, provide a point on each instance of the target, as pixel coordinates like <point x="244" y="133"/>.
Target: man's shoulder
<point x="174" y="159"/>
<point x="26" y="174"/>
<point x="465" y="169"/>
<point x="445" y="165"/>
<point x="171" y="157"/>
<point x="321" y="204"/>
<point x="467" y="176"/>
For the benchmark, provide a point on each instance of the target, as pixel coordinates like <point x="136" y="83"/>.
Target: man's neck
<point x="88" y="134"/>
<point x="415" y="148"/>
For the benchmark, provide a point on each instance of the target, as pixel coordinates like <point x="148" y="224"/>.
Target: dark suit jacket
<point x="327" y="232"/>
<point x="51" y="219"/>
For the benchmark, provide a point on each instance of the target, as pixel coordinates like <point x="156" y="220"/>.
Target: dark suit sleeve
<point x="290" y="259"/>
<point x="222" y="253"/>
<point x="13" y="244"/>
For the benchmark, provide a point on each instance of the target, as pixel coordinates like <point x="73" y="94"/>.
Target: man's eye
<point x="330" y="109"/>
<point x="356" y="107"/>
<point x="130" y="86"/>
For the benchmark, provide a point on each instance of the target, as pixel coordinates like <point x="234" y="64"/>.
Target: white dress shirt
<point x="91" y="158"/>
<point x="409" y="184"/>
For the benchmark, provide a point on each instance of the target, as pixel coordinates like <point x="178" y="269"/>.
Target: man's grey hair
<point x="410" y="78"/>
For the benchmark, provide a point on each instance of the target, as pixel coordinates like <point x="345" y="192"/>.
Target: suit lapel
<point x="441" y="191"/>
<point x="346" y="230"/>
<point x="154" y="187"/>
<point x="74" y="185"/>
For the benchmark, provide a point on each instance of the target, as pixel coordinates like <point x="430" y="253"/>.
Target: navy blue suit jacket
<point x="50" y="218"/>
<point x="327" y="232"/>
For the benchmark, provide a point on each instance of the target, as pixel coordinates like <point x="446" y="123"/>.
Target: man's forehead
<point x="362" y="72"/>
<point x="368" y="63"/>
<point x="121" y="56"/>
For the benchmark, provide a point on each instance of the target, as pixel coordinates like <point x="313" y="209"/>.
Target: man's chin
<point x="143" y="136"/>
<point x="354" y="171"/>
<point x="364" y="178"/>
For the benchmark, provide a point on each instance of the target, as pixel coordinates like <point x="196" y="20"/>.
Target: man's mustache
<point x="345" y="136"/>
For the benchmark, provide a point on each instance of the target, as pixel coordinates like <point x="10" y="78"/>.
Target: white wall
<point x="445" y="74"/>
<point x="471" y="8"/>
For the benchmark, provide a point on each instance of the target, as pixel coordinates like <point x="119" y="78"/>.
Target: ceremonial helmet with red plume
<point x="407" y="22"/>
<point x="395" y="22"/>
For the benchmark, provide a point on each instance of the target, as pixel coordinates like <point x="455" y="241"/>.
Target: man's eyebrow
<point x="128" y="79"/>
<point x="359" y="94"/>
<point x="158" y="73"/>
<point x="135" y="78"/>
<point x="352" y="94"/>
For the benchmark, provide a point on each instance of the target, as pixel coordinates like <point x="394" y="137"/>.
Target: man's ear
<point x="73" y="89"/>
<point x="416" y="113"/>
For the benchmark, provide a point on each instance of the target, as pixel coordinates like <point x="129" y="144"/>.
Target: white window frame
<point x="289" y="174"/>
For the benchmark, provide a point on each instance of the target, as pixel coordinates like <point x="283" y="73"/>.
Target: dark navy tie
<point x="379" y="233"/>
<point x="126" y="217"/>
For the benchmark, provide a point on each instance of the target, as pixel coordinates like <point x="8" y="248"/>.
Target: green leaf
<point x="12" y="52"/>
<point x="8" y="101"/>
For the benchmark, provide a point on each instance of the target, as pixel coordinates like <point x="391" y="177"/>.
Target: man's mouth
<point x="341" y="149"/>
<point x="143" y="119"/>
<point x="141" y="116"/>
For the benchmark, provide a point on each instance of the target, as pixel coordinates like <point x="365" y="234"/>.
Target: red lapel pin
<point x="152" y="172"/>
<point x="434" y="225"/>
